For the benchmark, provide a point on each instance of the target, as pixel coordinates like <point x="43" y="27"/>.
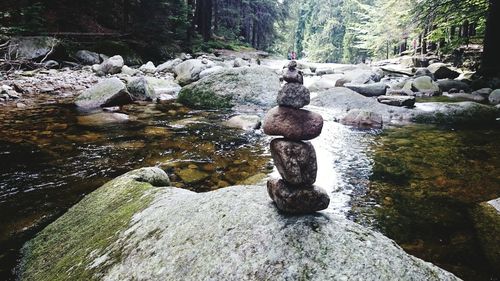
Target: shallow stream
<point x="415" y="184"/>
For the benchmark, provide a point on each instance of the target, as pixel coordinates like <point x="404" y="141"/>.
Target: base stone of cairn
<point x="294" y="157"/>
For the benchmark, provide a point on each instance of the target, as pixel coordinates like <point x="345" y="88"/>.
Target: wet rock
<point x="245" y="122"/>
<point x="484" y="92"/>
<point x="141" y="90"/>
<point x="464" y="96"/>
<point x="407" y="101"/>
<point x="295" y="161"/>
<point x="134" y="227"/>
<point x="109" y="92"/>
<point x="233" y="88"/>
<point x="369" y="90"/>
<point x="189" y="71"/>
<point x="448" y="84"/>
<point x="113" y="65"/>
<point x="400" y="92"/>
<point x="102" y="119"/>
<point x="459" y="113"/>
<point x="441" y="71"/>
<point x="32" y="47"/>
<point x="87" y="57"/>
<point x="190" y="176"/>
<point x="486" y="218"/>
<point x="21" y="105"/>
<point x="425" y="85"/>
<point x="149" y="67"/>
<point x="363" y="119"/>
<point x="168" y="66"/>
<point x="295" y="200"/>
<point x="294" y="95"/>
<point x="494" y="97"/>
<point x="293" y="124"/>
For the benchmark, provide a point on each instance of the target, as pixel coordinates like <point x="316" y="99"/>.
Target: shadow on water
<point x="52" y="155"/>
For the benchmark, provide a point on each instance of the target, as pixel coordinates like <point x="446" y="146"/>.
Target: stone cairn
<point x="293" y="155"/>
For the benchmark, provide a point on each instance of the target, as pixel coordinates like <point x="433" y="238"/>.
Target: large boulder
<point x="133" y="228"/>
<point x="32" y="48"/>
<point x="241" y="87"/>
<point x="494" y="97"/>
<point x="424" y="84"/>
<point x="112" y="65"/>
<point x="140" y="89"/>
<point x="107" y="93"/>
<point x="87" y="57"/>
<point x="441" y="71"/>
<point x="486" y="218"/>
<point x="460" y="113"/>
<point x="189" y="71"/>
<point x="447" y="84"/>
<point x="363" y="119"/>
<point x="369" y="90"/>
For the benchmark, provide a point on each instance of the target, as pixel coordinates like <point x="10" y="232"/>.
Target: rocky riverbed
<point x="198" y="120"/>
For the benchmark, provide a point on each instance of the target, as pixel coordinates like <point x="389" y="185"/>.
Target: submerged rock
<point x="487" y="222"/>
<point x="101" y="119"/>
<point x="460" y="113"/>
<point x="107" y="93"/>
<point x="233" y="88"/>
<point x="244" y="122"/>
<point x="132" y="229"/>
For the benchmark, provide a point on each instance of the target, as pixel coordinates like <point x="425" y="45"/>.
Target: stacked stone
<point x="294" y="156"/>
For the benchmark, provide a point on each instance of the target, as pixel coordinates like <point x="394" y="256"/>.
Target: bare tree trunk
<point x="490" y="63"/>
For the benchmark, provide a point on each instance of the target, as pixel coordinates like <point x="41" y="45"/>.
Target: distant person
<point x="289" y="55"/>
<point x="294" y="55"/>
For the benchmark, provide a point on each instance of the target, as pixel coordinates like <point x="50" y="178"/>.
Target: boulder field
<point x="136" y="227"/>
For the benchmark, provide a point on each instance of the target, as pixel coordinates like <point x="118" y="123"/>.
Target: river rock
<point x="107" y="93"/>
<point x="169" y="65"/>
<point x="447" y="84"/>
<point x="141" y="90"/>
<point x="464" y="96"/>
<point x="296" y="161"/>
<point x="244" y="122"/>
<point x="362" y="74"/>
<point x="51" y="64"/>
<point x="407" y="101"/>
<point x="399" y="92"/>
<point x="441" y="71"/>
<point x="424" y="72"/>
<point x="237" y="88"/>
<point x="294" y="95"/>
<point x="484" y="92"/>
<point x="135" y="227"/>
<point x="424" y="84"/>
<point x="32" y="47"/>
<point x="486" y="217"/>
<point x="369" y="90"/>
<point x="293" y="124"/>
<point x="163" y="87"/>
<point x="458" y="113"/>
<point x="87" y="57"/>
<point x="297" y="200"/>
<point x="494" y="97"/>
<point x="102" y="119"/>
<point x="189" y="71"/>
<point x="149" y="67"/>
<point x="113" y="65"/>
<point x="363" y="119"/>
<point x="130" y="71"/>
<point x="211" y="70"/>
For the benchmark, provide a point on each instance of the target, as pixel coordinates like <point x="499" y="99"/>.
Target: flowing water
<point x="414" y="184"/>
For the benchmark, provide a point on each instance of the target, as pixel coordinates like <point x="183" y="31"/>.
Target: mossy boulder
<point x="487" y="222"/>
<point x="129" y="230"/>
<point x="241" y="87"/>
<point x="109" y="92"/>
<point x="460" y="113"/>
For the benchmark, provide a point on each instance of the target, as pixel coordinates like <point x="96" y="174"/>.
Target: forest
<point x="347" y="31"/>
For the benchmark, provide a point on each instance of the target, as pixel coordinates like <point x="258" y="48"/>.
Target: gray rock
<point x="149" y="67"/>
<point x="87" y="57"/>
<point x="141" y="90"/>
<point x="484" y="92"/>
<point x="244" y="122"/>
<point x="447" y="84"/>
<point x="130" y="71"/>
<point x="102" y="119"/>
<point x="296" y="161"/>
<point x="459" y="113"/>
<point x="237" y="88"/>
<point x="211" y="70"/>
<point x="464" y="96"/>
<point x="189" y="71"/>
<point x="494" y="97"/>
<point x="424" y="72"/>
<point x="113" y="65"/>
<point x="168" y="66"/>
<point x="486" y="217"/>
<point x="369" y="90"/>
<point x="363" y="119"/>
<point x="135" y="229"/>
<point x="293" y="124"/>
<point x="399" y="92"/>
<point x="326" y="82"/>
<point x="407" y="101"/>
<point x="441" y="71"/>
<point x="239" y="62"/>
<point x="362" y="75"/>
<point x="293" y="76"/>
<point x="107" y="93"/>
<point x="51" y="64"/>
<point x="294" y="95"/>
<point x="297" y="200"/>
<point x="424" y="84"/>
<point x="32" y="47"/>
<point x="163" y="87"/>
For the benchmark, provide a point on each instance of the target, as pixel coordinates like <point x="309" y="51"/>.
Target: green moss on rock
<point x="203" y="98"/>
<point x="59" y="252"/>
<point x="487" y="223"/>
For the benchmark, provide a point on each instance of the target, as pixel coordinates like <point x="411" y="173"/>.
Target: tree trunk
<point x="490" y="64"/>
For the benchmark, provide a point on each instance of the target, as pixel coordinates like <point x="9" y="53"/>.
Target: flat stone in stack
<point x="295" y="159"/>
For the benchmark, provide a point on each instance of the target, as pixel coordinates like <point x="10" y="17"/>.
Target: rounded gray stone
<point x="295" y="160"/>
<point x="294" y="95"/>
